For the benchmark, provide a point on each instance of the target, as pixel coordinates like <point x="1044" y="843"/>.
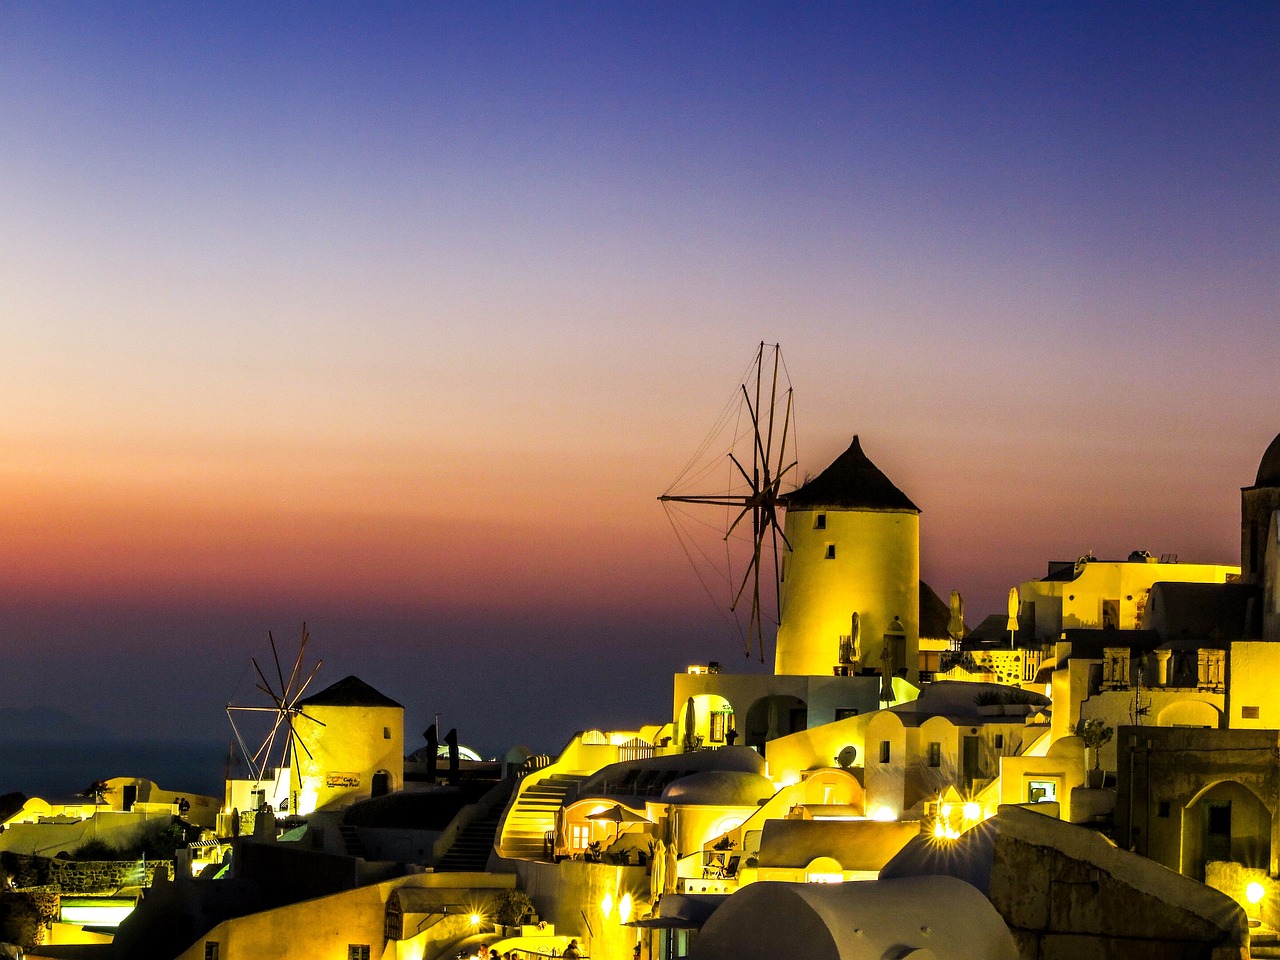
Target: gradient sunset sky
<point x="396" y="318"/>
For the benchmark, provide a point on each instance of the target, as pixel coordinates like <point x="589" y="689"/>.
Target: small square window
<point x="1250" y="713"/>
<point x="1164" y="808"/>
<point x="820" y="522"/>
<point x="357" y="951"/>
<point x="999" y="741"/>
<point x="211" y="950"/>
<point x="831" y="551"/>
<point x="935" y="754"/>
<point x="844" y="713"/>
<point x="884" y="751"/>
<point x="386" y="733"/>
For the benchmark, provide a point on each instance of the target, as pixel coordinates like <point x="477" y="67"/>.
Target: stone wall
<point x="1066" y="894"/>
<point x="83" y="876"/>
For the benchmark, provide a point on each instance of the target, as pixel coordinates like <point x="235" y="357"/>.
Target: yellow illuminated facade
<point x="1092" y="594"/>
<point x="351" y="747"/>
<point x="854" y="550"/>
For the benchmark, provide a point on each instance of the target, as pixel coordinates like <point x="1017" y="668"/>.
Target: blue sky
<point x="396" y="317"/>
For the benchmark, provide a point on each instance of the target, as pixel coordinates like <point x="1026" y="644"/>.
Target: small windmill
<point x="282" y="741"/>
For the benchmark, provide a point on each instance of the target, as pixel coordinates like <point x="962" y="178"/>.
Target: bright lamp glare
<point x="1254" y="892"/>
<point x="606" y="905"/>
<point x="475" y="919"/>
<point x="624" y="908"/>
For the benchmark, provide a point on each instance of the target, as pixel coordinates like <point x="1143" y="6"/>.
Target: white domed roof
<point x="734" y="788"/>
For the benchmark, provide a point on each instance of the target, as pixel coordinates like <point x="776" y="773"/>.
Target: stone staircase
<point x="1263" y="942"/>
<point x="533" y="814"/>
<point x="351" y="842"/>
<point x="470" y="850"/>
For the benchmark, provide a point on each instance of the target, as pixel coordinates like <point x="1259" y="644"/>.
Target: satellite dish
<point x="847" y="756"/>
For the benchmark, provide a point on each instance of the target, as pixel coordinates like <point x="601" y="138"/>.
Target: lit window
<point x="579" y="836"/>
<point x="935" y="753"/>
<point x="831" y="551"/>
<point x="820" y="522"/>
<point x="884" y="751"/>
<point x="717" y="727"/>
<point x="1250" y="713"/>
<point x="1042" y="791"/>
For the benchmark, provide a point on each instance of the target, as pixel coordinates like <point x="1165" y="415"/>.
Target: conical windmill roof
<point x="349" y="692"/>
<point x="851" y="482"/>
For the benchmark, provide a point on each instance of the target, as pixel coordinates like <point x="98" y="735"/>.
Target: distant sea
<point x="60" y="768"/>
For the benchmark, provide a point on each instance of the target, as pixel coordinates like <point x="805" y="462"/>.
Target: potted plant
<point x="1096" y="734"/>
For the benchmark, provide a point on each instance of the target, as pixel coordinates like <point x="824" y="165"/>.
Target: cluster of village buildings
<point x="1098" y="771"/>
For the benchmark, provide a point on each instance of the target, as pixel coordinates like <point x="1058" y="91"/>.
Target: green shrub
<point x="20" y="921"/>
<point x="511" y="906"/>
<point x="96" y="849"/>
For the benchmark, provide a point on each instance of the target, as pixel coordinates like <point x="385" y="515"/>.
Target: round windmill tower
<point x="851" y="576"/>
<point x="352" y="740"/>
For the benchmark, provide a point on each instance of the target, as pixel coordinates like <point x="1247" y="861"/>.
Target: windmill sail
<point x="758" y="429"/>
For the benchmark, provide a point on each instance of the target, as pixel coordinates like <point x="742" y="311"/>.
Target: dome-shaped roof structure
<point x="851" y="482"/>
<point x="730" y="788"/>
<point x="1269" y="468"/>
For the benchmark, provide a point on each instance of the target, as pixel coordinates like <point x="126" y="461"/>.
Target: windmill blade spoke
<point x="299" y="713"/>
<point x="752" y="567"/>
<point x="244" y="748"/>
<point x="773" y="403"/>
<point x="755" y="615"/>
<point x="786" y="424"/>
<point x="757" y="450"/>
<point x="270" y="693"/>
<point x="298" y="742"/>
<point x="297" y="663"/>
<point x="266" y="684"/>
<point x="778" y="529"/>
<point x="736" y="521"/>
<point x="777" y="573"/>
<point x="265" y="751"/>
<point x="240" y="709"/>
<point x="303" y="689"/>
<point x="275" y="655"/>
<point x="713" y="501"/>
<point x="741" y="469"/>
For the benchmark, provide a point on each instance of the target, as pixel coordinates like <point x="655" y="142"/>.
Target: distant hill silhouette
<point x="45" y="723"/>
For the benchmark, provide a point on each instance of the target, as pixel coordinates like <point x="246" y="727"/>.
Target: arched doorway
<point x="706" y="719"/>
<point x="1225" y="822"/>
<point x="772" y="717"/>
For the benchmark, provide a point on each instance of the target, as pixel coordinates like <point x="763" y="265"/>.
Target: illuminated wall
<point x="1107" y="592"/>
<point x="854" y="543"/>
<point x="844" y="562"/>
<point x="351" y="745"/>
<point x="1252" y="698"/>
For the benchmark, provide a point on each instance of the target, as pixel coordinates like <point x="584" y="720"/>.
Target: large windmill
<point x="278" y="747"/>
<point x="758" y="428"/>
